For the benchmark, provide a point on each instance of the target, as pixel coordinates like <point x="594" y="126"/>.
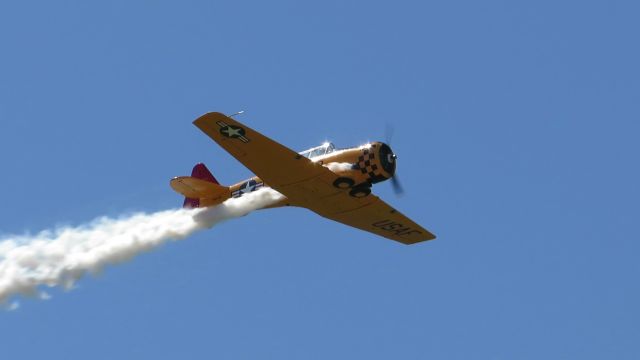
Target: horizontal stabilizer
<point x="195" y="188"/>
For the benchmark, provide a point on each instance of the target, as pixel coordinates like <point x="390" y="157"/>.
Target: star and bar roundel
<point x="250" y="186"/>
<point x="232" y="131"/>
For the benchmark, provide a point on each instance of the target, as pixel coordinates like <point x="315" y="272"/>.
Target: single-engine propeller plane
<point x="334" y="183"/>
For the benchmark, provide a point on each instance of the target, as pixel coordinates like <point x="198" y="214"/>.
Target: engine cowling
<point x="377" y="162"/>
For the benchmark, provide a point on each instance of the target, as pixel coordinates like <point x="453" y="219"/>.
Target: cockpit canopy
<point x="323" y="149"/>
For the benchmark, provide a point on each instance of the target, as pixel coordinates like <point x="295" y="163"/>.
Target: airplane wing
<point x="306" y="183"/>
<point x="381" y="219"/>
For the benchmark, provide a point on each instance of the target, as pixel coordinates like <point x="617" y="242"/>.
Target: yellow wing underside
<point x="306" y="183"/>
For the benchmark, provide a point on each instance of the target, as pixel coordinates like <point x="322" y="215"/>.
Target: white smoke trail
<point x="62" y="256"/>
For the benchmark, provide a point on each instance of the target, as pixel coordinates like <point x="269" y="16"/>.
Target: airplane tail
<point x="201" y="188"/>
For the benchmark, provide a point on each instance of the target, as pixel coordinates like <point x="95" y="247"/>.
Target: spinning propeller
<point x="395" y="182"/>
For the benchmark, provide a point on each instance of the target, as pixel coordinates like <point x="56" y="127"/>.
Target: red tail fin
<point x="199" y="171"/>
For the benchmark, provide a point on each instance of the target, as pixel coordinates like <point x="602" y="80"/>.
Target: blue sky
<point x="516" y="126"/>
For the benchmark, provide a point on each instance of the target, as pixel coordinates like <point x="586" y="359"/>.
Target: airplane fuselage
<point x="357" y="169"/>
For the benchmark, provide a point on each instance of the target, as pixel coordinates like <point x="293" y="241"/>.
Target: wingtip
<point x="429" y="237"/>
<point x="203" y="119"/>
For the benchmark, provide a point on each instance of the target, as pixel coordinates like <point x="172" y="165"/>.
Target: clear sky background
<point x="516" y="126"/>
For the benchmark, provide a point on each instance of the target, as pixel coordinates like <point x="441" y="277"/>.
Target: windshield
<point x="323" y="149"/>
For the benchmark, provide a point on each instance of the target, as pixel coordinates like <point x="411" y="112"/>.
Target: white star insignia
<point x="232" y="132"/>
<point x="247" y="188"/>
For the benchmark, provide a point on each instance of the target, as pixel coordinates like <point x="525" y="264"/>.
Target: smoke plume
<point x="60" y="257"/>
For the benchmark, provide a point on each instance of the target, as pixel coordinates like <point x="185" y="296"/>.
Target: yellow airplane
<point x="334" y="183"/>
